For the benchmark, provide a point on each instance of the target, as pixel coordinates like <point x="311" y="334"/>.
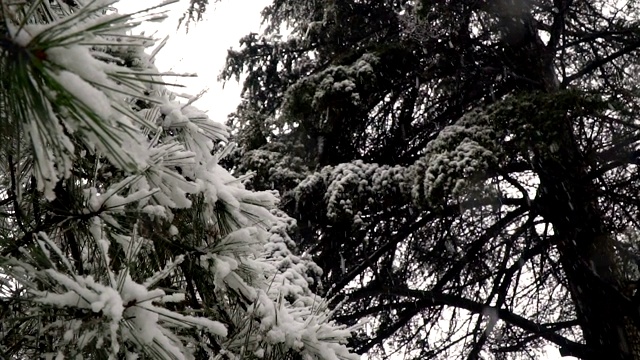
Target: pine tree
<point x="464" y="172"/>
<point x="122" y="236"/>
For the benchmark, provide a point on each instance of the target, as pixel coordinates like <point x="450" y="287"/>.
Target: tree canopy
<point x="464" y="172"/>
<point x="121" y="235"/>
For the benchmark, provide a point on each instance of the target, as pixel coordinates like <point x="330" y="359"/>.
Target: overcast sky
<point x="203" y="50"/>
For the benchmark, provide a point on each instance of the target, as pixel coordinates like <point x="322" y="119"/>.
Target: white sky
<point x="203" y="50"/>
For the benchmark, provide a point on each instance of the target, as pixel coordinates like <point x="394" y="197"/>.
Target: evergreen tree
<point x="122" y="237"/>
<point x="464" y="172"/>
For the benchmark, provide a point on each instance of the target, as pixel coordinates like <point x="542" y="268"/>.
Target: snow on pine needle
<point x="58" y="86"/>
<point x="124" y="237"/>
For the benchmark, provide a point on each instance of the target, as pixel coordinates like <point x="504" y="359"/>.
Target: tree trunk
<point x="587" y="255"/>
<point x="568" y="201"/>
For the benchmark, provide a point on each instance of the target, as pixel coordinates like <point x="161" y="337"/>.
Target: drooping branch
<point x="477" y="245"/>
<point x="569" y="347"/>
<point x="594" y="65"/>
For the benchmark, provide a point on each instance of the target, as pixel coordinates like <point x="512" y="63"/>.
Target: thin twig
<point x="12" y="194"/>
